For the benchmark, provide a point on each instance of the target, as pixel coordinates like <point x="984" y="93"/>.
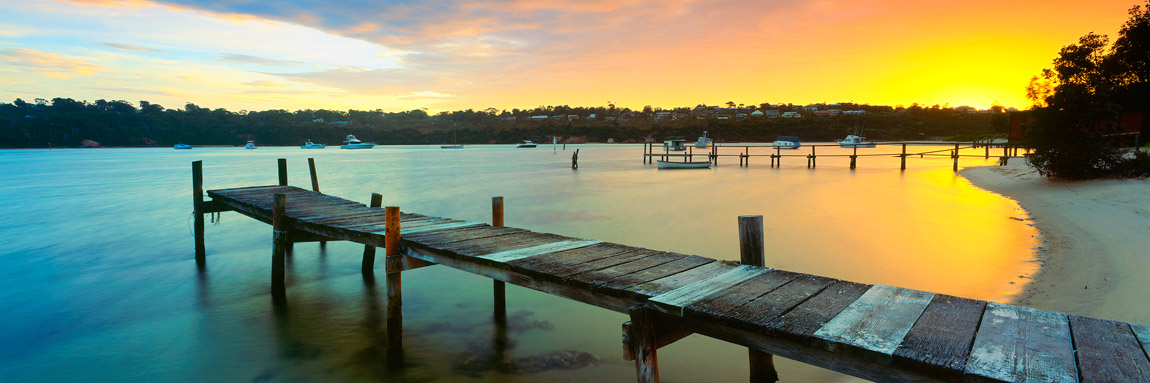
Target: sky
<point x="478" y="54"/>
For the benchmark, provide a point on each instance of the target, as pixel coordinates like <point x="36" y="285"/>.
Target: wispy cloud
<point x="134" y="48"/>
<point x="47" y="64"/>
<point x="236" y="58"/>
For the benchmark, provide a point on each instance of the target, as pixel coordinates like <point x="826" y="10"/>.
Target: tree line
<point x="65" y="122"/>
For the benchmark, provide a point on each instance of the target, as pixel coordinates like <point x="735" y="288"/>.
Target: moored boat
<point x="250" y="145"/>
<point x="451" y="146"/>
<point x="526" y="144"/>
<point x="354" y="143"/>
<point x="787" y="142"/>
<point x="684" y="165"/>
<point x="703" y="141"/>
<point x="311" y="145"/>
<point x="182" y="146"/>
<point x="674" y="145"/>
<point x="853" y="141"/>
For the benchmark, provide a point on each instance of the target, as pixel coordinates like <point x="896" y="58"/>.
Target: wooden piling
<point x="752" y="252"/>
<point x="368" y="265"/>
<point x="280" y="241"/>
<point x="314" y="178"/>
<point x="987" y="148"/>
<point x="499" y="287"/>
<point x="283" y="171"/>
<point x="198" y="209"/>
<point x="955" y="157"/>
<point x="904" y="158"/>
<point x="394" y="290"/>
<point x="814" y="160"/>
<point x="853" y="158"/>
<point x="643" y="342"/>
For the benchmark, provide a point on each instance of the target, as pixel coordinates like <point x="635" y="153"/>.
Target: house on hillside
<point x="792" y="115"/>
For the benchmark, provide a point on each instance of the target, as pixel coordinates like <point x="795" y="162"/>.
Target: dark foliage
<point x="1078" y="102"/>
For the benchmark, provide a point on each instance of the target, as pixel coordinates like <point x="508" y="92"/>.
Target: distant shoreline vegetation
<point x="64" y="122"/>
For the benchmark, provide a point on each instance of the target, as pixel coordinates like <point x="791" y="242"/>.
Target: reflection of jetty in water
<point x="874" y="332"/>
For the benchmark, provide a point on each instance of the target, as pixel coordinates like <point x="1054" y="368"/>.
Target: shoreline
<point x="1095" y="254"/>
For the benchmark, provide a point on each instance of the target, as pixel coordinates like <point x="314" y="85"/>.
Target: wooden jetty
<point x="776" y="153"/>
<point x="876" y="332"/>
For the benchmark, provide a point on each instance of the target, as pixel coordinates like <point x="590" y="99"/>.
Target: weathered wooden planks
<point x="511" y="255"/>
<point x="674" y="301"/>
<point x="1142" y="332"/>
<point x="801" y="323"/>
<point x="874" y="325"/>
<point x="1108" y="351"/>
<point x="718" y="305"/>
<point x="940" y="341"/>
<point x="1017" y="344"/>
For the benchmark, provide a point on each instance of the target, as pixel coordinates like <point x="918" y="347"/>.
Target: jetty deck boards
<point x="874" y="332"/>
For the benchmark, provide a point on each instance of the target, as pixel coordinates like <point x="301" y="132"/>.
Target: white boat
<point x="703" y="141"/>
<point x="182" y="146"/>
<point x="684" y="165"/>
<point x="674" y="145"/>
<point x="354" y="143"/>
<point x="311" y="145"/>
<point x="250" y="145"/>
<point x="526" y="144"/>
<point x="853" y="141"/>
<point x="451" y="146"/>
<point x="788" y="142"/>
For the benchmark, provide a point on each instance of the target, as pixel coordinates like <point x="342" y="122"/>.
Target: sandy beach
<point x="1096" y="252"/>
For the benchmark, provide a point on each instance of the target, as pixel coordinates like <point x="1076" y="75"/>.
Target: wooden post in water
<point x="283" y="171"/>
<point x="955" y="156"/>
<point x="752" y="252"/>
<point x="854" y="155"/>
<point x="314" y="178"/>
<point x="814" y="160"/>
<point x="903" y="156"/>
<point x="643" y="336"/>
<point x="987" y="148"/>
<point x="500" y="288"/>
<point x="198" y="209"/>
<point x="394" y="290"/>
<point x="368" y="266"/>
<point x="280" y="241"/>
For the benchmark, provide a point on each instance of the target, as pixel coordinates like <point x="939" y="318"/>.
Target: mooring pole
<point x="283" y="171"/>
<point x="198" y="209"/>
<point x="752" y="252"/>
<point x="854" y="155"/>
<point x="500" y="288"/>
<point x="394" y="290"/>
<point x="903" y="156"/>
<point x="280" y="242"/>
<point x="955" y="157"/>
<point x="644" y="346"/>
<point x="314" y="178"/>
<point x="368" y="267"/>
<point x="814" y="159"/>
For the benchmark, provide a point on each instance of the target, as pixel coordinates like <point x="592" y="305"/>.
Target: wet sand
<point x="1096" y="251"/>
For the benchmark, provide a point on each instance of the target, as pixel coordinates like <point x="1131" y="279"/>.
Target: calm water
<point x="98" y="280"/>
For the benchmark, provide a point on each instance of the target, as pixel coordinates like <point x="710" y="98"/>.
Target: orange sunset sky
<point x="475" y="54"/>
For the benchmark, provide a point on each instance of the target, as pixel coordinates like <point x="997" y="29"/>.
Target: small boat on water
<point x="354" y="143"/>
<point x="311" y="145"/>
<point x="451" y="146"/>
<point x="684" y="165"/>
<point x="853" y="141"/>
<point x="526" y="144"/>
<point x="703" y="141"/>
<point x="454" y="141"/>
<point x="787" y="142"/>
<point x="675" y="145"/>
<point x="182" y="146"/>
<point x="250" y="145"/>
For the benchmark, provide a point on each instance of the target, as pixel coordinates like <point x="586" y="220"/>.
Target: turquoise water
<point x="98" y="280"/>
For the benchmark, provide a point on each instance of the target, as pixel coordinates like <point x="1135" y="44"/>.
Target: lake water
<point x="98" y="280"/>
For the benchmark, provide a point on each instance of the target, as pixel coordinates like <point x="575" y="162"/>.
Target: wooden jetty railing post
<point x="903" y="156"/>
<point x="314" y="178"/>
<point x="752" y="252"/>
<point x="987" y="148"/>
<point x="813" y="159"/>
<point x="198" y="209"/>
<point x="500" y="288"/>
<point x="854" y="156"/>
<point x="280" y="242"/>
<point x="283" y="171"/>
<point x="368" y="266"/>
<point x="394" y="289"/>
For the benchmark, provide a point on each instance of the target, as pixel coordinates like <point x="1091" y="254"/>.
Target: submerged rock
<point x="555" y="360"/>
